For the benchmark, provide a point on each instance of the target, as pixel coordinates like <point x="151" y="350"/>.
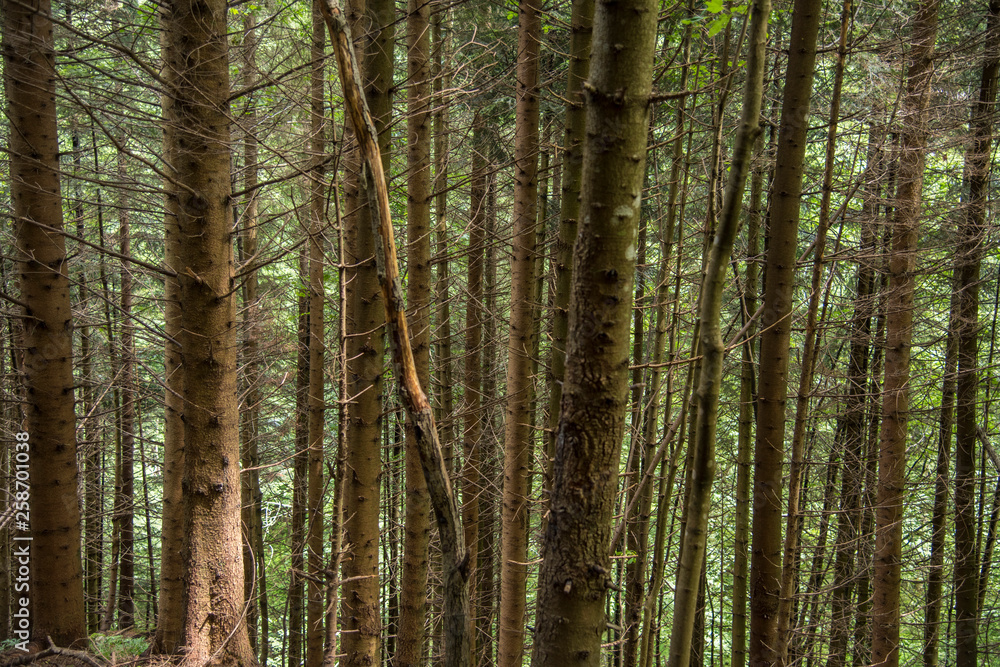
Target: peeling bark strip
<point x="456" y="593"/>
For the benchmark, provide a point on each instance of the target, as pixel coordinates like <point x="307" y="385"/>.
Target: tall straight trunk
<point x="300" y="472"/>
<point x="581" y="26"/>
<point x="417" y="531"/>
<point x="360" y="612"/>
<point x="197" y="138"/>
<point x="56" y="568"/>
<point x="702" y="457"/>
<point x="776" y="328"/>
<point x="472" y="403"/>
<point x="971" y="239"/>
<point x="793" y="523"/>
<point x="486" y="556"/>
<point x="852" y="434"/>
<point x="315" y="559"/>
<point x="575" y="574"/>
<point x="517" y="419"/>
<point x="254" y="572"/>
<point x="170" y="622"/>
<point x="126" y="474"/>
<point x="899" y="333"/>
<point x="748" y="391"/>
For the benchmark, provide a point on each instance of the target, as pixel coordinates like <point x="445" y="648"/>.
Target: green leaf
<point x="716" y="26"/>
<point x="714" y="6"/>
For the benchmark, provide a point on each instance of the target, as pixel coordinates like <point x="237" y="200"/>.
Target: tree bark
<point x="56" y="584"/>
<point x="575" y="574"/>
<point x="899" y="333"/>
<point x="198" y="140"/>
<point x="360" y="610"/>
<point x="517" y="419"/>
<point x="971" y="240"/>
<point x="776" y="327"/>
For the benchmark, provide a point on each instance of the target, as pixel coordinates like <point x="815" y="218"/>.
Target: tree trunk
<point x="702" y="458"/>
<point x="899" y="333"/>
<point x="417" y="531"/>
<point x="360" y="611"/>
<point x="971" y="240"/>
<point x="300" y="462"/>
<point x="765" y="563"/>
<point x="793" y="524"/>
<point x="517" y="419"/>
<point x="197" y="138"/>
<point x="126" y="490"/>
<point x="574" y="576"/>
<point x="49" y="440"/>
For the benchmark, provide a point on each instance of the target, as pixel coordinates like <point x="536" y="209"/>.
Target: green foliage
<point x="111" y="646"/>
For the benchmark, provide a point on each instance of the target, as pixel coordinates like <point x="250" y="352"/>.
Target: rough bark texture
<point x="575" y="574"/>
<point x="365" y="351"/>
<point x="899" y="333"/>
<point x="582" y="23"/>
<point x="517" y="420"/>
<point x="56" y="567"/>
<point x="972" y="236"/>
<point x="417" y="530"/>
<point x="776" y="329"/>
<point x="198" y="141"/>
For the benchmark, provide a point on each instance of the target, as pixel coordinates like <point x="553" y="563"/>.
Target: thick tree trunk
<point x="972" y="237"/>
<point x="360" y="612"/>
<point x="56" y="569"/>
<point x="417" y="531"/>
<point x="197" y="138"/>
<point x="899" y="333"/>
<point x="520" y="396"/>
<point x="765" y="563"/>
<point x="575" y="574"/>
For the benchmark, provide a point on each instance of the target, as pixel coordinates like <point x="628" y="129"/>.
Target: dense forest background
<point x="750" y="420"/>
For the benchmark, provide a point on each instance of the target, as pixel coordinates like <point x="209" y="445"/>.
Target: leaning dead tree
<point x="418" y="407"/>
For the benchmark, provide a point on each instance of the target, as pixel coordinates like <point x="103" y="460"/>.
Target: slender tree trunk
<point x="417" y="532"/>
<point x="517" y="420"/>
<point x="56" y="568"/>
<point x="574" y="576"/>
<point x="254" y="572"/>
<point x="170" y="622"/>
<point x="852" y="432"/>
<point x="300" y="462"/>
<point x="315" y="558"/>
<point x="702" y="458"/>
<point x="360" y="611"/>
<point x="766" y="647"/>
<point x="789" y="571"/>
<point x="197" y="138"/>
<point x="126" y="489"/>
<point x="581" y="27"/>
<point x="472" y="403"/>
<point x="972" y="236"/>
<point x="899" y="333"/>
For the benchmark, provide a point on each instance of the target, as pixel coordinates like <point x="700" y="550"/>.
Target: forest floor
<point x="45" y="658"/>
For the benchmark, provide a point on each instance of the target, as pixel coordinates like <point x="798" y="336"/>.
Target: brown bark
<point x="517" y="420"/>
<point x="776" y="326"/>
<point x="300" y="464"/>
<point x="56" y="570"/>
<point x="575" y="574"/>
<point x="971" y="240"/>
<point x="360" y="612"/>
<point x="198" y="140"/>
<point x="899" y="333"/>
<point x="417" y="531"/>
<point x="419" y="411"/>
<point x="125" y="501"/>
